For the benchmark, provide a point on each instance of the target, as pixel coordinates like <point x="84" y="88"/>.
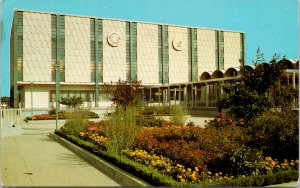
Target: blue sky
<point x="270" y="24"/>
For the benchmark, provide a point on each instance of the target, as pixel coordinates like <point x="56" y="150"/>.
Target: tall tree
<point x="250" y="97"/>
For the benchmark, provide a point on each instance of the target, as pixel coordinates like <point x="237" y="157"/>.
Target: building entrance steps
<point x="34" y="159"/>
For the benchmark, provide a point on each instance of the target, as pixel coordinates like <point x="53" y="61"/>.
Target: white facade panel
<point x="36" y="47"/>
<point x="147" y="53"/>
<point x="77" y="50"/>
<point x="232" y="49"/>
<point x="114" y="57"/>
<point x="206" y="49"/>
<point x="40" y="98"/>
<point x="178" y="59"/>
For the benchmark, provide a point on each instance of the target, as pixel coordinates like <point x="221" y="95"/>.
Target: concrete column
<point x="31" y="89"/>
<point x="159" y="96"/>
<point x="143" y="95"/>
<point x="195" y="96"/>
<point x="150" y="97"/>
<point x="169" y="95"/>
<point x="294" y="80"/>
<point x="288" y="79"/>
<point x="163" y="97"/>
<point x="185" y="95"/>
<point x="206" y="94"/>
<point x="192" y="95"/>
<point x="179" y="96"/>
<point x="175" y="95"/>
<point x="221" y="87"/>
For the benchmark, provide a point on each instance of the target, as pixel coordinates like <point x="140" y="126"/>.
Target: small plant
<point x="121" y="129"/>
<point x="76" y="122"/>
<point x="177" y="114"/>
<point x="52" y="110"/>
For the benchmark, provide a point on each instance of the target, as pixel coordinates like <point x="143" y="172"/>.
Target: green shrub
<point x="76" y="121"/>
<point x="220" y="122"/>
<point x="92" y="114"/>
<point x="151" y="121"/>
<point x="239" y="161"/>
<point x="276" y="134"/>
<point x="52" y="111"/>
<point x="121" y="129"/>
<point x="71" y="102"/>
<point x="156" y="110"/>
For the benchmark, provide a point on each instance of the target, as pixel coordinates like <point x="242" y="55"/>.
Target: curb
<point x="120" y="176"/>
<point x="44" y="121"/>
<point x="53" y="121"/>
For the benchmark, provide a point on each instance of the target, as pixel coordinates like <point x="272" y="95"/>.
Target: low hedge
<point x="156" y="178"/>
<point x="262" y="180"/>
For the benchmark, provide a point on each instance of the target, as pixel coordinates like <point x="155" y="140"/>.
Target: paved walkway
<point x="33" y="159"/>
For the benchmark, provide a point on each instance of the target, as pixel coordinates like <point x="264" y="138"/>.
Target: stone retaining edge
<point x="120" y="176"/>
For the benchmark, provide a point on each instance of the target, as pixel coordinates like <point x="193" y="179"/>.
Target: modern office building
<point x="90" y="51"/>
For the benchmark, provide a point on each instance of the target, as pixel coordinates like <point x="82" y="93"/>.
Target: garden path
<point x="31" y="158"/>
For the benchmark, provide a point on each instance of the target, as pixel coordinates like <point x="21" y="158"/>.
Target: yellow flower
<point x="189" y="170"/>
<point x="196" y="169"/>
<point x="268" y="158"/>
<point x="273" y="163"/>
<point x="208" y="172"/>
<point x="182" y="180"/>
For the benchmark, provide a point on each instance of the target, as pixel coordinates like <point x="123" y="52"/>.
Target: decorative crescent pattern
<point x="177" y="44"/>
<point x="113" y="39"/>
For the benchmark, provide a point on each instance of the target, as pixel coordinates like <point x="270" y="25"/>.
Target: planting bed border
<point x="152" y="176"/>
<point x="120" y="176"/>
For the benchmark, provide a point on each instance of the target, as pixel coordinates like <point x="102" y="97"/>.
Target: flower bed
<point x="183" y="153"/>
<point x="190" y="146"/>
<point x="53" y="116"/>
<point x="46" y="117"/>
<point x="131" y="161"/>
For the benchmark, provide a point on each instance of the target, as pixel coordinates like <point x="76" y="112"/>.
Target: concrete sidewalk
<point x="33" y="159"/>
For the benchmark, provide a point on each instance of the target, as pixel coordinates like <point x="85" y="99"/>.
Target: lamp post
<point x="31" y="88"/>
<point x="56" y="95"/>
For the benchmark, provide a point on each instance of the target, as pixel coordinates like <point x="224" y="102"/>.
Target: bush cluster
<point x="239" y="161"/>
<point x="223" y="152"/>
<point x="276" y="134"/>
